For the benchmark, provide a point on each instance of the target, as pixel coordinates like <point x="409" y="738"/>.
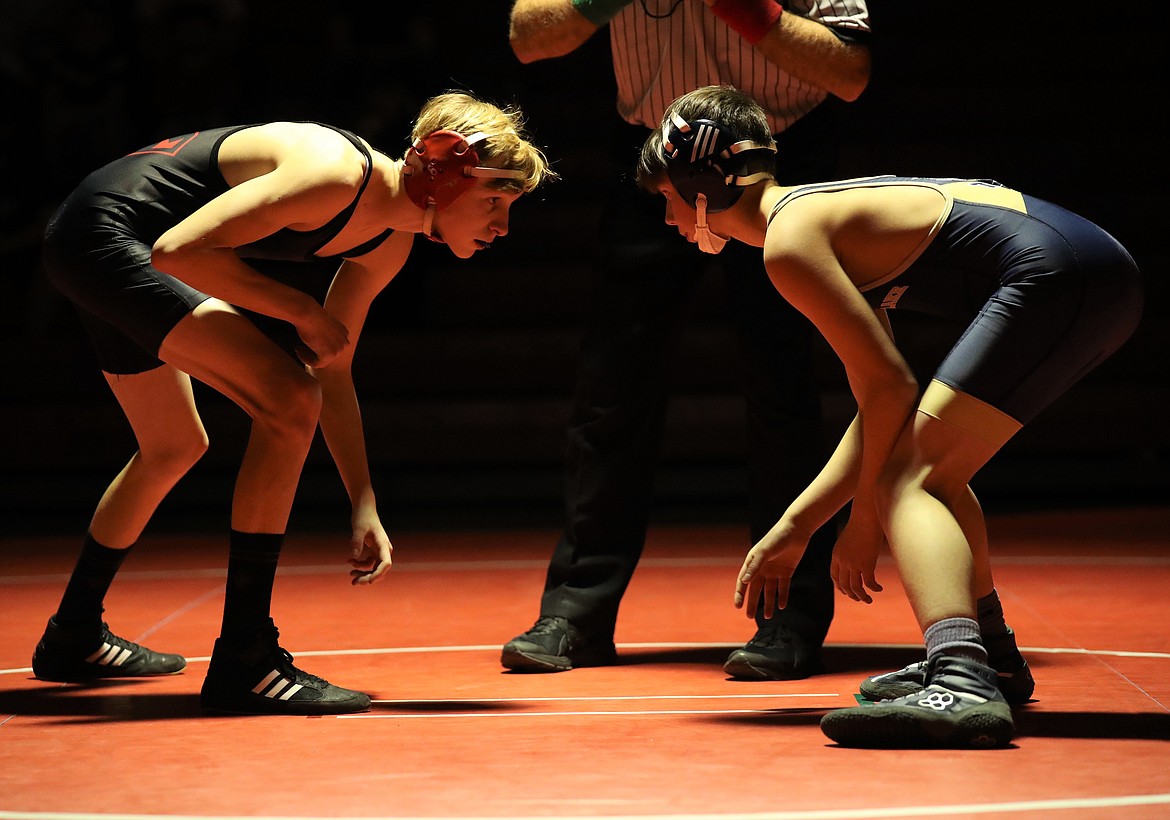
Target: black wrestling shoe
<point x="960" y="707"/>
<point x="71" y="655"/>
<point x="257" y="677"/>
<point x="1013" y="676"/>
<point x="555" y="645"/>
<point x="776" y="652"/>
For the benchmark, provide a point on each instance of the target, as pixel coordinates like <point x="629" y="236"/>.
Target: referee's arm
<point x="540" y="29"/>
<point x="815" y="53"/>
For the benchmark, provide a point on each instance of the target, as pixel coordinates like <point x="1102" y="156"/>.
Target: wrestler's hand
<point x="855" y="556"/>
<point x="322" y="337"/>
<point x="371" y="549"/>
<point x="767" y="570"/>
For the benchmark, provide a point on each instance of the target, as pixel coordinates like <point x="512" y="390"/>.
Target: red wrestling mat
<point x="663" y="734"/>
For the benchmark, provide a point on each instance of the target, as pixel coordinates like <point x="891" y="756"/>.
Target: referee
<point x="798" y="60"/>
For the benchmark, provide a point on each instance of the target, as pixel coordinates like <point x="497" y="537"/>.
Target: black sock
<point x="990" y="614"/>
<point x="997" y="635"/>
<point x="81" y="604"/>
<point x="251" y="573"/>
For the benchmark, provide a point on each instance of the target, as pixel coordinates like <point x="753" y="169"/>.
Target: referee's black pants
<point x="644" y="280"/>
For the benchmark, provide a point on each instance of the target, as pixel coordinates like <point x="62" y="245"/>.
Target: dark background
<point x="466" y="368"/>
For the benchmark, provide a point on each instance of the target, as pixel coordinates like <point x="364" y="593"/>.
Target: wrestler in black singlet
<point x="98" y="244"/>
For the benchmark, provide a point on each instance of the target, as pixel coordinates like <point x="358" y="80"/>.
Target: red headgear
<point x="442" y="166"/>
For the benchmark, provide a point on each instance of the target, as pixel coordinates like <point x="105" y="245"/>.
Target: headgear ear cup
<point x="703" y="157"/>
<point x="435" y="166"/>
<point x="442" y="166"/>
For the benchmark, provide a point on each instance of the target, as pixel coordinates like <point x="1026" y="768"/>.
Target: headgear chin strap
<point x="441" y="167"/>
<point x="708" y="240"/>
<point x="705" y="158"/>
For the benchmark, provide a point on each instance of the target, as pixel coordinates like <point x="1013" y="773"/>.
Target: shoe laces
<point x="299" y="675"/>
<point x="115" y="640"/>
<point x="284" y="658"/>
<point x="772" y="634"/>
<point x="548" y="624"/>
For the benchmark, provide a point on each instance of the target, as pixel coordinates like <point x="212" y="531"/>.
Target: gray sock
<point x="955" y="636"/>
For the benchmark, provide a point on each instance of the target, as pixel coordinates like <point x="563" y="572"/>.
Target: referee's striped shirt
<point x="664" y="48"/>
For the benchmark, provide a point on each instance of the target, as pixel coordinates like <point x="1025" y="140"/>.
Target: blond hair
<point x="507" y="145"/>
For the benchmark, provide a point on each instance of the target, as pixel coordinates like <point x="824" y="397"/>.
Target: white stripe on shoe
<point x="263" y="684"/>
<point x="275" y="685"/>
<point x="109" y="655"/>
<point x="292" y="690"/>
<point x="96" y="656"/>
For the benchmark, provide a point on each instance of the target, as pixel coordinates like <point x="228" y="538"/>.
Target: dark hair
<point x="725" y="105"/>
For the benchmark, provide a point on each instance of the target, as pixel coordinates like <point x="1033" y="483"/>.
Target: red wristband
<point x="751" y="19"/>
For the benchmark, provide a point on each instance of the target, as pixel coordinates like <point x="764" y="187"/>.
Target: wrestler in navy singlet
<point x="1045" y="294"/>
<point x="98" y="247"/>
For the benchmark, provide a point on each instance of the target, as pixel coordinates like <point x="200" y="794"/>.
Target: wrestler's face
<point x="474" y="220"/>
<point x="678" y="212"/>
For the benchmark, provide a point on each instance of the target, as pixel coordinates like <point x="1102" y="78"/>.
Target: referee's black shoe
<point x="555" y="645"/>
<point x="775" y="652"/>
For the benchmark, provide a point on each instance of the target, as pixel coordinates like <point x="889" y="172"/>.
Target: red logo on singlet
<point x="168" y="147"/>
<point x="896" y="293"/>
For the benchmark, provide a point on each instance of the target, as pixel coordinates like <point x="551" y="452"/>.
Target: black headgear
<point x="703" y="157"/>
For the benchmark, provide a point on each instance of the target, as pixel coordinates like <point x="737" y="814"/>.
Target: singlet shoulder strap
<point x="334" y="225"/>
<point x="825" y="187"/>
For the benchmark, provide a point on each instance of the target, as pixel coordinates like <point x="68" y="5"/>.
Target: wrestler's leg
<point x="923" y="494"/>
<point x="936" y="531"/>
<point x="224" y="350"/>
<point x="249" y="672"/>
<point x="160" y="407"/>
